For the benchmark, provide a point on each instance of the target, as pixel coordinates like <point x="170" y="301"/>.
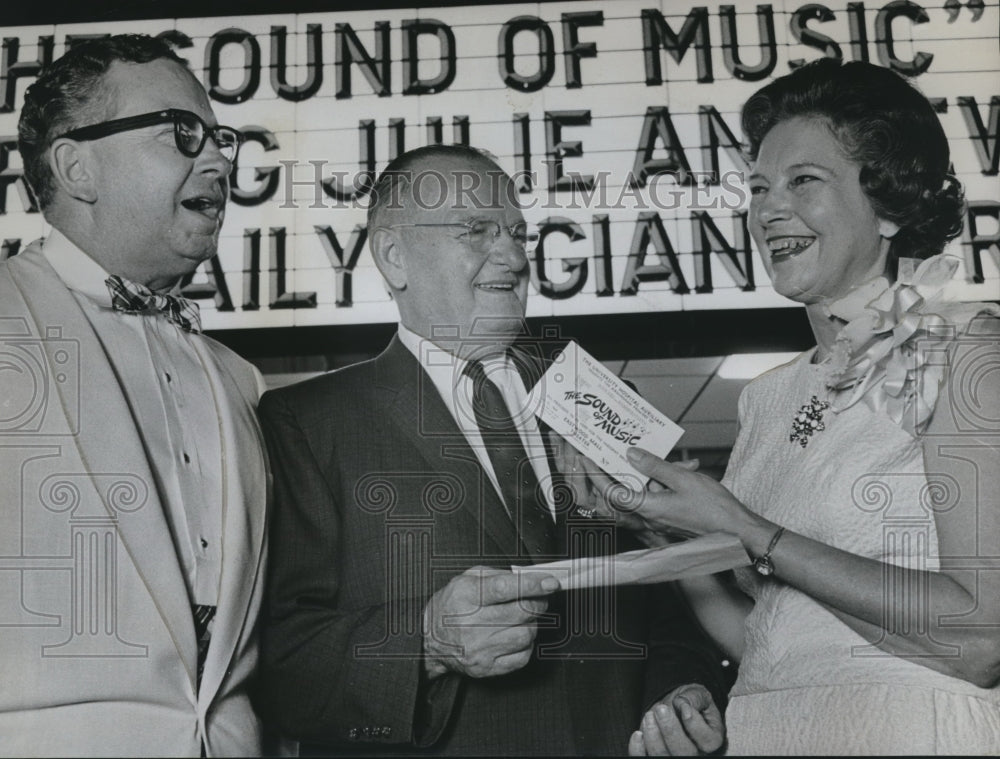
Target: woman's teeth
<point x="787" y="246"/>
<point x="495" y="286"/>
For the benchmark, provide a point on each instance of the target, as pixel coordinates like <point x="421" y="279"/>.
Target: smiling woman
<point x="811" y="220"/>
<point x="867" y="470"/>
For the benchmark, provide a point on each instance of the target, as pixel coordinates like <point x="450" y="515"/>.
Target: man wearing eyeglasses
<point x="407" y="486"/>
<point x="134" y="487"/>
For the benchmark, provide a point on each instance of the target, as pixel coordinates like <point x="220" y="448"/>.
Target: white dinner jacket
<point x="97" y="645"/>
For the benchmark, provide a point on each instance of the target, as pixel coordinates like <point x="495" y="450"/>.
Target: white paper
<point x="600" y="415"/>
<point x="707" y="554"/>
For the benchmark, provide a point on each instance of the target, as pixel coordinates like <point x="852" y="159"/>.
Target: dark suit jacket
<point x="379" y="501"/>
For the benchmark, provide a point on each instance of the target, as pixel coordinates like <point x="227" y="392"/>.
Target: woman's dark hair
<point x="69" y="92"/>
<point x="890" y="129"/>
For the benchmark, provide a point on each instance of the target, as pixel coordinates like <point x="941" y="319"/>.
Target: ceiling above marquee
<point x="700" y="394"/>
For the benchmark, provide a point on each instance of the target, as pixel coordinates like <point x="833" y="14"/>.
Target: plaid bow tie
<point x="133" y="298"/>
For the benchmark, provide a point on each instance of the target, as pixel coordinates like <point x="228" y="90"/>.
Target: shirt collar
<point x="447" y="371"/>
<point x="78" y="271"/>
<point x="439" y="362"/>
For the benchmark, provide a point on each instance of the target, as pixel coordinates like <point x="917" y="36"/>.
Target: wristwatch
<point x="763" y="563"/>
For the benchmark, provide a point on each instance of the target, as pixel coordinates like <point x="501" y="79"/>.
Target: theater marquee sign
<point x="619" y="122"/>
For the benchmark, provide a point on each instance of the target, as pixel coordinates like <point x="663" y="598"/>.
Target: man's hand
<point x="482" y="623"/>
<point x="685" y="723"/>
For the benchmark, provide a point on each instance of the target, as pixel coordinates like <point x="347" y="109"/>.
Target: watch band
<point x="763" y="563"/>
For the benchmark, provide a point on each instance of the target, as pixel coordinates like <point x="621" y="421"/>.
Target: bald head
<point x="433" y="177"/>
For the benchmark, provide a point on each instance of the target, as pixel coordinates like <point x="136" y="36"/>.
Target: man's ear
<point x="389" y="258"/>
<point x="887" y="229"/>
<point x="72" y="169"/>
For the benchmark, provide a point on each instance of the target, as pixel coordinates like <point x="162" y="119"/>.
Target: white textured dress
<point x="808" y="684"/>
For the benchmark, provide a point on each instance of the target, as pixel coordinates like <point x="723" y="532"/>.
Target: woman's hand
<point x="678" y="500"/>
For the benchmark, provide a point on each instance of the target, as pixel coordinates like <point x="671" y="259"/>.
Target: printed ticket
<point x="600" y="415"/>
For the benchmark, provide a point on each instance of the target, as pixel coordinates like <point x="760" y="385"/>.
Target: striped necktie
<point x="203" y="618"/>
<point x="132" y="298"/>
<point x="511" y="464"/>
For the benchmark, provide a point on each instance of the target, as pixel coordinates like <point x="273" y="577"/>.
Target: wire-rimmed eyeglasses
<point x="190" y="132"/>
<point x="481" y="234"/>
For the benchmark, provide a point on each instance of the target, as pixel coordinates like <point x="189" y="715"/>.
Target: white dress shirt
<point x="173" y="401"/>
<point x="447" y="372"/>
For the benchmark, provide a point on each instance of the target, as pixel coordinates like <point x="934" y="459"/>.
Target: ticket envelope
<point x="601" y="416"/>
<point x="707" y="554"/>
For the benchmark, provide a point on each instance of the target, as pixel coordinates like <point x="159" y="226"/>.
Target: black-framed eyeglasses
<point x="481" y="234"/>
<point x="190" y="132"/>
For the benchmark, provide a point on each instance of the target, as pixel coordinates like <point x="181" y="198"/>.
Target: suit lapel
<point x="104" y="413"/>
<point x="419" y="413"/>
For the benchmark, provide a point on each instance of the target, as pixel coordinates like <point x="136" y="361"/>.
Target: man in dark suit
<point x="405" y="489"/>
